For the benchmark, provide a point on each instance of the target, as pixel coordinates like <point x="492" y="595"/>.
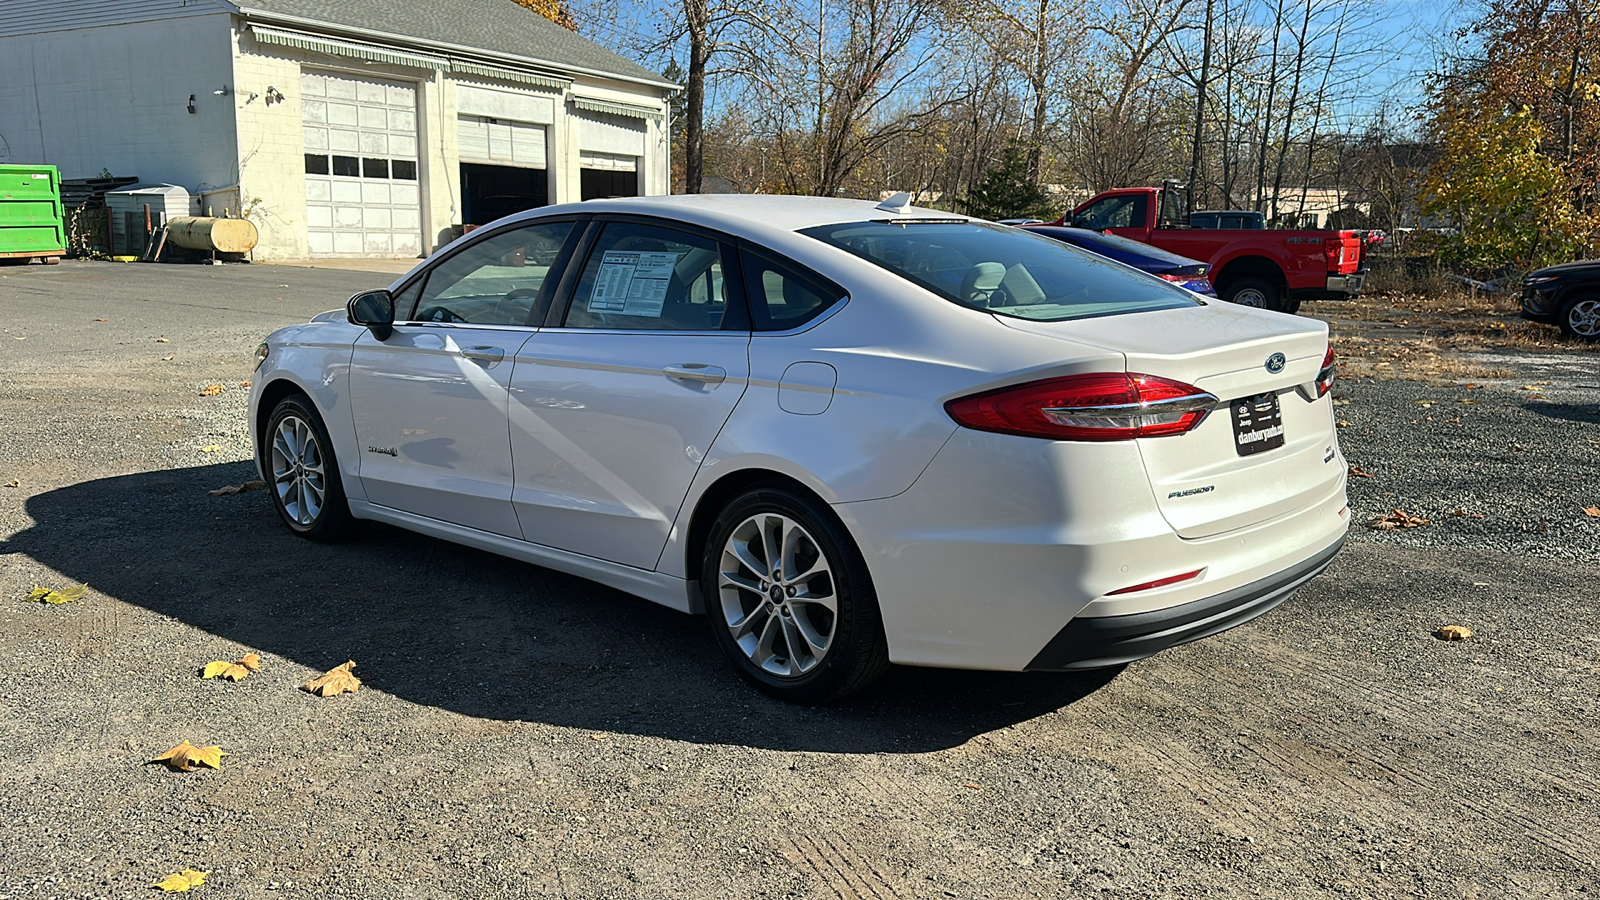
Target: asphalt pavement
<point x="523" y="733"/>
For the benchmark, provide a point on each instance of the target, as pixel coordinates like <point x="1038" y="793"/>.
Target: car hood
<point x="1581" y="267"/>
<point x="332" y="315"/>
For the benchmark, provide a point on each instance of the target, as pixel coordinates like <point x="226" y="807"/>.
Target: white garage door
<point x="361" y="166"/>
<point x="487" y="140"/>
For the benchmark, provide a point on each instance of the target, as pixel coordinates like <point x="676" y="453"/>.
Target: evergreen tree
<point x="1006" y="191"/>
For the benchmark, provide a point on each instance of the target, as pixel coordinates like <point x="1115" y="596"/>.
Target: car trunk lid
<point x="1203" y="484"/>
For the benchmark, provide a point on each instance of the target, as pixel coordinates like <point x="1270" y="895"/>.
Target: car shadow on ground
<point x="447" y="626"/>
<point x="1588" y="413"/>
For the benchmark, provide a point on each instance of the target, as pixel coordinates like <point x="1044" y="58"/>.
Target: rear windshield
<point x="1004" y="270"/>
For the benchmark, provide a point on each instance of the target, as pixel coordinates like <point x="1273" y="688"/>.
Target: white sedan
<point x="848" y="434"/>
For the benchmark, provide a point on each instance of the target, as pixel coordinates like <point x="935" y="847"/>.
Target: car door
<point x="613" y="408"/>
<point x="429" y="402"/>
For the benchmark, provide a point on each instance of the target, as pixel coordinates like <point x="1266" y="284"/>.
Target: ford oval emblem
<point x="1276" y="362"/>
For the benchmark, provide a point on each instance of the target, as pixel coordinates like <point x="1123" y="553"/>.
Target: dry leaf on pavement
<point x="210" y="448"/>
<point x="1588" y="511"/>
<point x="1358" y="472"/>
<point x="162" y="341"/>
<point x="185" y="756"/>
<point x="1453" y="633"/>
<point x="233" y="671"/>
<point x="230" y="489"/>
<point x="46" y="595"/>
<point x="182" y="881"/>
<point x="337" y="680"/>
<point x="13" y="483"/>
<point x="1396" y="519"/>
<point x="211" y="390"/>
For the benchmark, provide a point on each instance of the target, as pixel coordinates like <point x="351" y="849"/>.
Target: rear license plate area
<point x="1257" y="424"/>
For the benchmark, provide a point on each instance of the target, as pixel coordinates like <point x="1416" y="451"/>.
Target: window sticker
<point x="633" y="283"/>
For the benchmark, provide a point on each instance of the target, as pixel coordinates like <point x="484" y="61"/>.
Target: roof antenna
<point x="896" y="204"/>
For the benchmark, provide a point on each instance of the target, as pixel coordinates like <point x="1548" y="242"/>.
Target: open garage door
<point x="502" y="168"/>
<point x="362" y="197"/>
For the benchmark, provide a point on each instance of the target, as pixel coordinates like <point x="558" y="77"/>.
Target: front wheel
<point x="303" y="475"/>
<point x="1580" y="318"/>
<point x="789" y="599"/>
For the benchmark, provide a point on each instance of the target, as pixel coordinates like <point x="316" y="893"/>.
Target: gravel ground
<point x="523" y="733"/>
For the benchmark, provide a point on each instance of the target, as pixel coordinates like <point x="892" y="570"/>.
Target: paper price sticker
<point x="633" y="283"/>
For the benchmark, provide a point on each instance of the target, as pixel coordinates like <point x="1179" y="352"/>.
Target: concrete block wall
<point x="115" y="97"/>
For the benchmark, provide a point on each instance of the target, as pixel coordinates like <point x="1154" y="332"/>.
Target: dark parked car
<point x="1567" y="295"/>
<point x="1180" y="270"/>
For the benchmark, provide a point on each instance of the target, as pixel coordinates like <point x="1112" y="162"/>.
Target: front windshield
<point x="1004" y="270"/>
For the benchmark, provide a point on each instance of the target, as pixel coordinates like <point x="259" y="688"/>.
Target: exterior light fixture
<point x="191" y="104"/>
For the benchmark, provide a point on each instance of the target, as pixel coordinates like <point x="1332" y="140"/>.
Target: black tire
<point x="855" y="653"/>
<point x="1580" y="318"/>
<point x="1256" y="292"/>
<point x="291" y="487"/>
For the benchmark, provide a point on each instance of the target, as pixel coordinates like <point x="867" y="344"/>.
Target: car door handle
<point x="486" y="354"/>
<point x="696" y="372"/>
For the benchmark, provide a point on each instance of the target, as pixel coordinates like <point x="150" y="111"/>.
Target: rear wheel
<point x="1256" y="292"/>
<point x="302" y="473"/>
<point x="789" y="599"/>
<point x="1580" y="318"/>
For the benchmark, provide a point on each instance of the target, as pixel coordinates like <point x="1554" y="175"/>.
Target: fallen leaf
<point x="168" y="358"/>
<point x="598" y="737"/>
<point x="185" y="756"/>
<point x="233" y="671"/>
<point x="67" y="596"/>
<point x="210" y="448"/>
<point x="162" y="341"/>
<point x="1396" y="519"/>
<point x="1453" y="633"/>
<point x="337" y="680"/>
<point x="1532" y="387"/>
<point x="231" y="489"/>
<point x="182" y="881"/>
<point x="211" y="390"/>
<point x="99" y="320"/>
<point x="974" y="785"/>
<point x="1342" y="423"/>
<point x="13" y="483"/>
<point x="1358" y="472"/>
<point x="1588" y="511"/>
<point x="244" y="384"/>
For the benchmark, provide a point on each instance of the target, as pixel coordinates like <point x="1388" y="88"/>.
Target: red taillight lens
<point x="1104" y="406"/>
<point x="1159" y="582"/>
<point x="1325" y="374"/>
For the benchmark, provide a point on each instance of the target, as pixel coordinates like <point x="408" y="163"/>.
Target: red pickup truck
<point x="1255" y="267"/>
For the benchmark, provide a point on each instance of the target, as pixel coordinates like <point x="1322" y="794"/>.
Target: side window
<point x="780" y="298"/>
<point x="405" y="300"/>
<point x="648" y="278"/>
<point x="1114" y="212"/>
<point x="496" y="281"/>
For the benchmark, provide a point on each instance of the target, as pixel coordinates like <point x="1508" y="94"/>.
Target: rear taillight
<point x="1159" y="582"/>
<point x="1325" y="374"/>
<point x="1104" y="406"/>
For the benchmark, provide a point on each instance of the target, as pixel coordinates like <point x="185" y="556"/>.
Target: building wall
<point x="114" y="97"/>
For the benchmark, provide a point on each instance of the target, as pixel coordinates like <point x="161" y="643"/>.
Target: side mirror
<point x="375" y="310"/>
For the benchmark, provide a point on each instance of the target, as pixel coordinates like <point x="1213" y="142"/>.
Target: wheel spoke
<point x="764" y="653"/>
<point x="825" y="600"/>
<point x="769" y="543"/>
<point x="814" y="641"/>
<point x="739" y="581"/>
<point x="740" y="550"/>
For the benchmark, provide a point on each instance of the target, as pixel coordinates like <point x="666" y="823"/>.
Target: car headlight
<point x="261" y="354"/>
<point x="1544" y="279"/>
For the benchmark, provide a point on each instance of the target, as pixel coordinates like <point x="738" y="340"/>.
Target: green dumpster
<point x="31" y="225"/>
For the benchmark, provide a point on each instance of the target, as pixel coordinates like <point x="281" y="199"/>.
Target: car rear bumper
<point x="1003" y="541"/>
<point x="1094" y="642"/>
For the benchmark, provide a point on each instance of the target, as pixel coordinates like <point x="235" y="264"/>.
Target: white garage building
<point x="340" y="127"/>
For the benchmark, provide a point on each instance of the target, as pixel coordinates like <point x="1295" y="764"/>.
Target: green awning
<point x="350" y="49"/>
<point x="616" y="109"/>
<point x="534" y="78"/>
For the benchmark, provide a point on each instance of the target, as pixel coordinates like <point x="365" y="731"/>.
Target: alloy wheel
<point x="298" y="476"/>
<point x="777" y="595"/>
<point x="1583" y="318"/>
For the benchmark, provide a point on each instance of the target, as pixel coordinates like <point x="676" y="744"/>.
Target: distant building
<point x="340" y="127"/>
